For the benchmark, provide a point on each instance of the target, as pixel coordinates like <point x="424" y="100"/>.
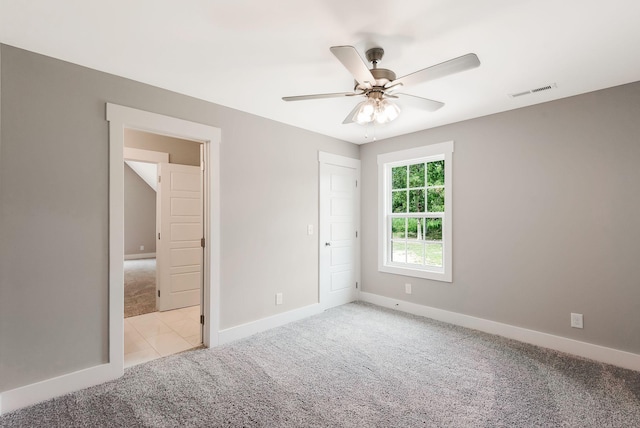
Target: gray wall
<point x="180" y="151"/>
<point x="53" y="193"/>
<point x="546" y="207"/>
<point x="546" y="200"/>
<point x="139" y="214"/>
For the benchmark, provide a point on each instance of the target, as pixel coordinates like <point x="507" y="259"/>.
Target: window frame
<point x="387" y="161"/>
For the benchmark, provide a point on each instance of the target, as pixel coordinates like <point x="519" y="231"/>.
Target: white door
<point x="179" y="240"/>
<point x="339" y="242"/>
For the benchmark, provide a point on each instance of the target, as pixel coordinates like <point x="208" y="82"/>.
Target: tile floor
<point x="155" y="335"/>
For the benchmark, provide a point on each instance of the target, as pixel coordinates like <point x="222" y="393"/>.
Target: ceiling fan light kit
<point x="377" y="84"/>
<point x="376" y="110"/>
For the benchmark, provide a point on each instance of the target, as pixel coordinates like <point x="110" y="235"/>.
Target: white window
<point x="414" y="192"/>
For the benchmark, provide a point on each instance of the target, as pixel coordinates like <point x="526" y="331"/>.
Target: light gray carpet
<point x="139" y="287"/>
<point x="356" y="366"/>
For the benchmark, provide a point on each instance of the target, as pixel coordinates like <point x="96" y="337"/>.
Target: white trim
<point x="31" y="394"/>
<point x="140" y="155"/>
<point x="599" y="353"/>
<point x="324" y="159"/>
<point x="385" y="162"/>
<point x="330" y="158"/>
<point x="139" y="256"/>
<point x="263" y="324"/>
<point x="417" y="152"/>
<point x="119" y="118"/>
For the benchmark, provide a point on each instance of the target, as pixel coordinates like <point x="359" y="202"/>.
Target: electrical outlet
<point x="577" y="321"/>
<point x="278" y="298"/>
<point x="407" y="288"/>
<point x="141" y="247"/>
<point x="310" y="229"/>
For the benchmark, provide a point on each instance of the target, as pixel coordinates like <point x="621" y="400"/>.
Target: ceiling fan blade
<point x="349" y="119"/>
<point x="421" y="103"/>
<point x="316" y="96"/>
<point x="349" y="57"/>
<point x="456" y="65"/>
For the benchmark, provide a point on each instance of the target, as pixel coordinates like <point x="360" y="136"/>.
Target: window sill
<point x="416" y="273"/>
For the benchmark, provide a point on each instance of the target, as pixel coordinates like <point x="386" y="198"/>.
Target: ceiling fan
<point x="378" y="85"/>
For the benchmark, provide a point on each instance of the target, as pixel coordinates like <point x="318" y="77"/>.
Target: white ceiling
<point x="247" y="54"/>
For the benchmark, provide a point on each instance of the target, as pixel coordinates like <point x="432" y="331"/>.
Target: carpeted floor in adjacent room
<point x="139" y="287"/>
<point x="356" y="365"/>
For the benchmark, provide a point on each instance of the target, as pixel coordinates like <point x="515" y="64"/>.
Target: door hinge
<point x="202" y="319"/>
<point x="158" y="235"/>
<point x="356" y="284"/>
<point x="356" y="233"/>
<point x="356" y="183"/>
<point x="202" y="242"/>
<point x="158" y="293"/>
<point x="159" y="179"/>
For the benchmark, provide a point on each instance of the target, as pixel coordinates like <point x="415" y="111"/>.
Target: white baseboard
<point x="245" y="330"/>
<point x="55" y="387"/>
<point x="36" y="392"/>
<point x="140" y="256"/>
<point x="599" y="353"/>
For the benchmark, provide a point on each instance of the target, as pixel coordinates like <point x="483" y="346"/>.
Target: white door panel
<point x="185" y="181"/>
<point x="341" y="256"/>
<point x="342" y="206"/>
<point x="186" y="231"/>
<point x="341" y="231"/>
<point x="340" y="183"/>
<point x="185" y="256"/>
<point x="179" y="249"/>
<point x="184" y="281"/>
<point x="185" y="206"/>
<point x="341" y="280"/>
<point x="338" y="243"/>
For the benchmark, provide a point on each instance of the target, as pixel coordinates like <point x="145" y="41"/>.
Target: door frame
<point x="119" y="118"/>
<point x="326" y="159"/>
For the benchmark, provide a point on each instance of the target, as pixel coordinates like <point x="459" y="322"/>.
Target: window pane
<point x="399" y="175"/>
<point x="415" y="253"/>
<point x="399" y="201"/>
<point x="416" y="175"/>
<point x="435" y="200"/>
<point x="434" y="229"/>
<point x="412" y="228"/>
<point x="434" y="255"/>
<point x="399" y="252"/>
<point x="398" y="228"/>
<point x="415" y="228"/>
<point x="416" y="201"/>
<point x="435" y="173"/>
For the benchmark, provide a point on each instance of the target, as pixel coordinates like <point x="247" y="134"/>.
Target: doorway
<point x="120" y="120"/>
<point x="140" y="201"/>
<point x="163" y="266"/>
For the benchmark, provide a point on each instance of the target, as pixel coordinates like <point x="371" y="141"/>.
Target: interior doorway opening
<point x="121" y="118"/>
<point x="163" y="255"/>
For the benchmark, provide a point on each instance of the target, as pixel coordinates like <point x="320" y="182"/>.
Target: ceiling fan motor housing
<point x="382" y="76"/>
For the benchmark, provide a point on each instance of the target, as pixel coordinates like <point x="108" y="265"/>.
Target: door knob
<point x="327" y="244"/>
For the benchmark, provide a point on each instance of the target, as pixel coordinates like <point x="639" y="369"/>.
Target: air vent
<point x="533" y="91"/>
